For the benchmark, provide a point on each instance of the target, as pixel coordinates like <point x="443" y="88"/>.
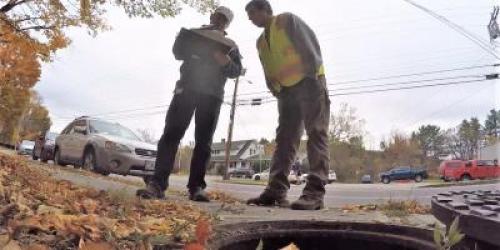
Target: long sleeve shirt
<point x="205" y="75"/>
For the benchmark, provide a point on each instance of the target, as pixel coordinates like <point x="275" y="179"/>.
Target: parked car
<point x="468" y="170"/>
<point x="104" y="147"/>
<point x="295" y="179"/>
<point x="44" y="147"/>
<point x="332" y="177"/>
<point x="264" y="175"/>
<point x="403" y="173"/>
<point x="26" y="147"/>
<point x="366" y="179"/>
<point x="241" y="173"/>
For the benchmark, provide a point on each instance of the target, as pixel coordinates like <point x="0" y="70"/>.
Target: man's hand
<point x="221" y="58"/>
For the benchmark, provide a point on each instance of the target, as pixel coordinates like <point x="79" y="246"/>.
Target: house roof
<point x="235" y="145"/>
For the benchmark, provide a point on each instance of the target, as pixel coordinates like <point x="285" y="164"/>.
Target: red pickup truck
<point x="457" y="170"/>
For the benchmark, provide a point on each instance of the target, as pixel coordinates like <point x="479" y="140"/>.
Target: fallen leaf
<point x="37" y="247"/>
<point x="290" y="247"/>
<point x="12" y="245"/>
<point x="97" y="246"/>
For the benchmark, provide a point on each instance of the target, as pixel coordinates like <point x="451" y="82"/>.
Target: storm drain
<point x="318" y="235"/>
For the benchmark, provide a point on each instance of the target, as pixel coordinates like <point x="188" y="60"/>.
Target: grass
<point x="393" y="208"/>
<point x="244" y="182"/>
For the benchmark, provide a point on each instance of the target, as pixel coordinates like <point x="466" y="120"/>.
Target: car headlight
<point x="109" y="145"/>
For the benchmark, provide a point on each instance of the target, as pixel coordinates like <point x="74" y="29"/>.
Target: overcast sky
<point x="132" y="68"/>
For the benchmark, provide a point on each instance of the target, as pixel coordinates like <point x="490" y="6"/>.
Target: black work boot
<point x="151" y="192"/>
<point x="198" y="194"/>
<point x="267" y="199"/>
<point x="308" y="202"/>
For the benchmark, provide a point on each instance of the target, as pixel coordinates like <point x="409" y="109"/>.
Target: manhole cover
<point x="478" y="212"/>
<point x="318" y="235"/>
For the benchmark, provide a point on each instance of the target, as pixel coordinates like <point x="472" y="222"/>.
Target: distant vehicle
<point x="44" y="147"/>
<point x="468" y="170"/>
<point x="241" y="173"/>
<point x="332" y="176"/>
<point x="264" y="175"/>
<point x="105" y="147"/>
<point x="26" y="147"/>
<point x="366" y="179"/>
<point x="403" y="173"/>
<point x="295" y="179"/>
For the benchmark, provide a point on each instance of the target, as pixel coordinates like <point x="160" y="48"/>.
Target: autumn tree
<point x="345" y="124"/>
<point x="402" y="150"/>
<point x="492" y="125"/>
<point x="36" y="120"/>
<point x="430" y="139"/>
<point x="464" y="142"/>
<point x="22" y="115"/>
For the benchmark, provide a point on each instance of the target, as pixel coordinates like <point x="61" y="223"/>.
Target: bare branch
<point x="11" y="4"/>
<point x="38" y="27"/>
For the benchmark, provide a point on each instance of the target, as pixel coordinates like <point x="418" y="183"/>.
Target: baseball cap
<point x="226" y="12"/>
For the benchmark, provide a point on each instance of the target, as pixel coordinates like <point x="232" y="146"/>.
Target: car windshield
<point x="28" y="143"/>
<point x="51" y="136"/>
<point x="113" y="129"/>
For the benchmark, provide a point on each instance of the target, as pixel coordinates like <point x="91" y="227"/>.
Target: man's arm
<point x="178" y="49"/>
<point x="305" y="41"/>
<point x="233" y="67"/>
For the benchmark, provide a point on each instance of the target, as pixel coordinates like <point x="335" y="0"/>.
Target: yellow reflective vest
<point x="283" y="65"/>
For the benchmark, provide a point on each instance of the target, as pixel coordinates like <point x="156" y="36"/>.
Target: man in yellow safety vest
<point x="291" y="57"/>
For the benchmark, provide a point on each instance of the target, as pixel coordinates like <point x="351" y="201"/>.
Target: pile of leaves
<point x="37" y="210"/>
<point x="391" y="208"/>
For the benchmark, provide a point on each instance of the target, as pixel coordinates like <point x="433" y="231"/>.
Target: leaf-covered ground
<point x="40" y="212"/>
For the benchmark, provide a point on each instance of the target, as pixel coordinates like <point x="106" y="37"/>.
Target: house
<point x="243" y="154"/>
<point x="491" y="152"/>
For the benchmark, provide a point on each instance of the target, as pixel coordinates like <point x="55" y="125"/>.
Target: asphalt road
<point x="337" y="194"/>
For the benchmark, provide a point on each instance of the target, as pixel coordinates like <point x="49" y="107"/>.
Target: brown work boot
<point x="308" y="202"/>
<point x="198" y="194"/>
<point x="151" y="192"/>
<point x="266" y="199"/>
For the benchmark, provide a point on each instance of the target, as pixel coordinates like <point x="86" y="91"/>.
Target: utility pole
<point x="230" y="130"/>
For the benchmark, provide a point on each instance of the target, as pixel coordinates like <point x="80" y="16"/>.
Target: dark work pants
<point x="305" y="105"/>
<point x="206" y="109"/>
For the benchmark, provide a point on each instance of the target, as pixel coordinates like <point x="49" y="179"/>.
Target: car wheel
<point x="89" y="160"/>
<point x="386" y="180"/>
<point x="257" y="178"/>
<point x="418" y="178"/>
<point x="465" y="177"/>
<point x="57" y="158"/>
<point x="147" y="179"/>
<point x="43" y="156"/>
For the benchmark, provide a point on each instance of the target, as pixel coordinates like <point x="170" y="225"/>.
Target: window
<point x="67" y="129"/>
<point x="454" y="164"/>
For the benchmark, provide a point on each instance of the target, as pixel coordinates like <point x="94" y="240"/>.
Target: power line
<point x="391" y="77"/>
<point x="457" y="28"/>
<point x="410" y="87"/>
<point x="416" y="74"/>
<point x="409" y="82"/>
<point x="460" y="100"/>
<point x="265" y="101"/>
